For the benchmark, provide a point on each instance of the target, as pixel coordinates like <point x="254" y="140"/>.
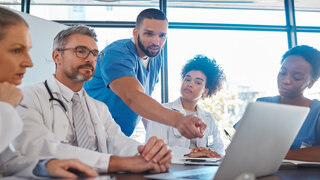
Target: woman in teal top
<point x="300" y="69"/>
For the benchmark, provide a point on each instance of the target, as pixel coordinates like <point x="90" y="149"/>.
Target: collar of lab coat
<point x="53" y="85"/>
<point x="177" y="105"/>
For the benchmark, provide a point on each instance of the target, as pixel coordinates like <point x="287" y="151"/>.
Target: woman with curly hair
<point x="201" y="78"/>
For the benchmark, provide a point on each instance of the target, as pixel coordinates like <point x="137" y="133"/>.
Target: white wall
<point x="42" y="33"/>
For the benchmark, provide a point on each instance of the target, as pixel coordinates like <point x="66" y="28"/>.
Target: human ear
<point x="56" y="56"/>
<point x="135" y="32"/>
<point x="205" y="92"/>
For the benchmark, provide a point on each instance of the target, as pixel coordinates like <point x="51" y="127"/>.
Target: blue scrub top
<point x="121" y="59"/>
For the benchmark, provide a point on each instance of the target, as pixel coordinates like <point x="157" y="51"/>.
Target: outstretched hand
<point x="191" y="126"/>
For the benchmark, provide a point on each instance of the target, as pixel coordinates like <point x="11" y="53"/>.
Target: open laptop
<point x="262" y="139"/>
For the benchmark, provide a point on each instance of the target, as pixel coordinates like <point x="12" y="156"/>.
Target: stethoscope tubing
<point x="53" y="98"/>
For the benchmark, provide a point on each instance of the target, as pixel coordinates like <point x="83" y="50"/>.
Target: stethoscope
<point x="63" y="107"/>
<point x="53" y="98"/>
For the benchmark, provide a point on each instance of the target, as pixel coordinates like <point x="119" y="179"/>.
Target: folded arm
<point x="135" y="164"/>
<point x="305" y="154"/>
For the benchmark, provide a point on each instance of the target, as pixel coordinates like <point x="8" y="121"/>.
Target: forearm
<point x="305" y="154"/>
<point x="134" y="164"/>
<point x="151" y="109"/>
<point x="117" y="163"/>
<point x="189" y="126"/>
<point x="133" y="95"/>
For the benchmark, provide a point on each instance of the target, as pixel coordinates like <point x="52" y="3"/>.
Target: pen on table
<point x="227" y="134"/>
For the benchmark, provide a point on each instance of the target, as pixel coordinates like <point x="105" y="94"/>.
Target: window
<point x="12" y="4"/>
<point x="249" y="58"/>
<point x="89" y="10"/>
<point x="307" y="13"/>
<point x="233" y="12"/>
<point x="108" y="35"/>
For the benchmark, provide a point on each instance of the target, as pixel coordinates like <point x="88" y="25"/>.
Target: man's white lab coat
<point x="46" y="127"/>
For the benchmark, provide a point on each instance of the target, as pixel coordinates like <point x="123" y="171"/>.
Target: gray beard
<point x="77" y="77"/>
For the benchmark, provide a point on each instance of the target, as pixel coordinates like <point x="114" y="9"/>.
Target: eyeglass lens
<point x="83" y="52"/>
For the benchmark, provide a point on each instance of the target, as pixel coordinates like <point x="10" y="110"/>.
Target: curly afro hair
<point x="209" y="68"/>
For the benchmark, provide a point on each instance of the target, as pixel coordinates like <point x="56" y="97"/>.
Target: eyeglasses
<point x="84" y="52"/>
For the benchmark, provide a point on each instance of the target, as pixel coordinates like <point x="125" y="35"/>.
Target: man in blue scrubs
<point x="126" y="76"/>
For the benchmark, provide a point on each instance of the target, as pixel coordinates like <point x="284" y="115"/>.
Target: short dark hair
<point x="9" y="18"/>
<point x="209" y="68"/>
<point x="150" y="13"/>
<point x="310" y="54"/>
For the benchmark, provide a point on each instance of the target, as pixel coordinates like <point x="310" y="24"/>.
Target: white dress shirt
<point x="67" y="95"/>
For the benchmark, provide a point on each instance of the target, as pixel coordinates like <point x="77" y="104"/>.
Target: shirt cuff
<point x="40" y="169"/>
